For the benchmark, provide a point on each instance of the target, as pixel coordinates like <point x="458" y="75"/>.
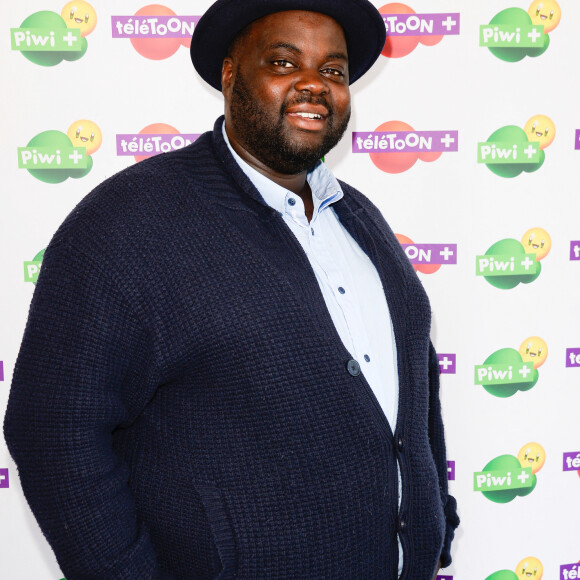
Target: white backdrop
<point x="454" y="85"/>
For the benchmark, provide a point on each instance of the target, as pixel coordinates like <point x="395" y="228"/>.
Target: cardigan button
<point x="400" y="443"/>
<point x="403" y="525"/>
<point x="353" y="367"/>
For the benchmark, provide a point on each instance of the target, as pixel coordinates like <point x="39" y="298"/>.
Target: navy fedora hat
<point x="363" y="27"/>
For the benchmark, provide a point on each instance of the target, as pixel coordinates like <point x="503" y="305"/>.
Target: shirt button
<point x="312" y="230"/>
<point x="353" y="367"/>
<point x="341" y="290"/>
<point x="367" y="358"/>
<point x="291" y="201"/>
<point x="400" y="443"/>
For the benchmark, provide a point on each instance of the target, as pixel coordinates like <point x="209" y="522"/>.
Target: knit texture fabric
<point x="182" y="406"/>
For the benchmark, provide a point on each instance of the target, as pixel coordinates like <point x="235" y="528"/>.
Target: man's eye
<point x="282" y="63"/>
<point x="334" y="72"/>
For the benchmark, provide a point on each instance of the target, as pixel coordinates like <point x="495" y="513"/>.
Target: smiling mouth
<point x="79" y="20"/>
<point x="307" y="116"/>
<point x="84" y="139"/>
<point x="542" y="17"/>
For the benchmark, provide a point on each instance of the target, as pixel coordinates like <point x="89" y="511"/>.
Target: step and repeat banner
<point x="466" y="135"/>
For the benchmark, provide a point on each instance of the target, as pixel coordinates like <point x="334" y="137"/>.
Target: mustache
<point x="307" y="98"/>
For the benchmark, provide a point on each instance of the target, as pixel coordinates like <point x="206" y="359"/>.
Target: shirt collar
<point x="325" y="187"/>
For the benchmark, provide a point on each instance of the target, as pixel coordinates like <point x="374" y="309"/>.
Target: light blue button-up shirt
<point x="348" y="280"/>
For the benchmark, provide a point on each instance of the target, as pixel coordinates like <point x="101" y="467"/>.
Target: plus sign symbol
<point x="446" y="363"/>
<point x="4" y="479"/>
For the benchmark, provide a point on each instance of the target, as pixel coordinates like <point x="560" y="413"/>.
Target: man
<point x="226" y="371"/>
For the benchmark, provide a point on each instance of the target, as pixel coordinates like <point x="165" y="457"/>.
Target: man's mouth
<point x="308" y="116"/>
<point x="305" y="115"/>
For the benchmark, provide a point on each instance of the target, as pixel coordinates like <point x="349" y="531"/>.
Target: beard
<point x="267" y="138"/>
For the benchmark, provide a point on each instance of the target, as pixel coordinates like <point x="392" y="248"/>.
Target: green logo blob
<point x="510" y="247"/>
<point x="56" y="140"/>
<point x="516" y="17"/>
<point x="507" y="463"/>
<point x="53" y="21"/>
<point x="503" y="575"/>
<point x="509" y="356"/>
<point x="516" y="135"/>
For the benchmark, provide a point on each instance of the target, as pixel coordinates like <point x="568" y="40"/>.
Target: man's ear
<point x="227" y="76"/>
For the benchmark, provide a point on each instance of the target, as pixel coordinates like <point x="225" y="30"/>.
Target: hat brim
<point x="363" y="26"/>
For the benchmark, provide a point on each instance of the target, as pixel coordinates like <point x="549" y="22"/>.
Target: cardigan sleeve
<point x="437" y="440"/>
<point x="84" y="369"/>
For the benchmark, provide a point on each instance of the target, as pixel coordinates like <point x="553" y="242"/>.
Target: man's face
<point x="286" y="89"/>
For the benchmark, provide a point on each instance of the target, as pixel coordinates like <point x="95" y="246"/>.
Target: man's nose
<point x="310" y="79"/>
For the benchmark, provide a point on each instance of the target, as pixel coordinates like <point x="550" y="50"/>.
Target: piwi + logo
<point x="508" y="262"/>
<point x="507" y="371"/>
<point x="47" y="38"/>
<point x="32" y="267"/>
<point x="510" y="150"/>
<point x="506" y="477"/>
<point x="53" y="156"/>
<point x="513" y="33"/>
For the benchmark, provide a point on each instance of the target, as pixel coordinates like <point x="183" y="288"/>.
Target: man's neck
<point x="295" y="183"/>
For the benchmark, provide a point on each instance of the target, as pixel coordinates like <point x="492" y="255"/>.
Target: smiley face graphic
<point x="79" y="14"/>
<point x="535" y="350"/>
<point x="546" y="13"/>
<point x="537" y="241"/>
<point x="530" y="568"/>
<point x="541" y="129"/>
<point x="85" y="133"/>
<point x="532" y="455"/>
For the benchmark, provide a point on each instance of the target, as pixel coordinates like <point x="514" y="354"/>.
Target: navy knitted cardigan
<point x="182" y="406"/>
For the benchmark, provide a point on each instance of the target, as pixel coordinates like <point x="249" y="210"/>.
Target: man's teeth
<point x="309" y="115"/>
